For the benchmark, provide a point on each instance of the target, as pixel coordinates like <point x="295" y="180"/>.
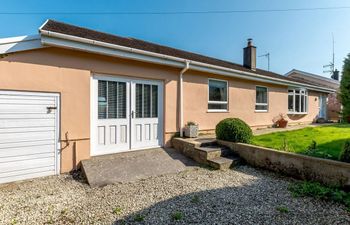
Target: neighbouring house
<point x="70" y="93"/>
<point x="329" y="104"/>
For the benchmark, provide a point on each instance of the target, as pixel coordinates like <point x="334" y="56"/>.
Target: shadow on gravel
<point x="78" y="176"/>
<point x="258" y="202"/>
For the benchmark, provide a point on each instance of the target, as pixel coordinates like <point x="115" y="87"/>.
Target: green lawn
<point x="329" y="140"/>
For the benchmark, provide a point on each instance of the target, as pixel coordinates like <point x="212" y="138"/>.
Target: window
<point x="217" y="95"/>
<point x="297" y="101"/>
<point x="146" y="101"/>
<point x="261" y="102"/>
<point x="111" y="99"/>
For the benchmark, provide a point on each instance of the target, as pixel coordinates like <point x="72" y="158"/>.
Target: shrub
<point x="233" y="129"/>
<point x="345" y="154"/>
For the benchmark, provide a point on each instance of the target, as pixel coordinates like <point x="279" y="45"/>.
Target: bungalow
<point x="329" y="105"/>
<point x="70" y="93"/>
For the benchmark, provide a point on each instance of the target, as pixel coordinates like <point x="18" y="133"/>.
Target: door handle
<point x="50" y="108"/>
<point x="132" y="114"/>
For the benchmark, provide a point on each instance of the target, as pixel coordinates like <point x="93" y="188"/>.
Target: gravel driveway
<point x="197" y="196"/>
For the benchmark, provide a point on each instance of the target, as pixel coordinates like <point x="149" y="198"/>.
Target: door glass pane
<point x="146" y="100"/>
<point x="121" y="100"/>
<point x="102" y="99"/>
<point x="154" y="101"/>
<point x="217" y="90"/>
<point x="112" y="99"/>
<point x="138" y="102"/>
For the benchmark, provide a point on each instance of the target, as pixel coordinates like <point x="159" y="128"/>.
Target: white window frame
<point x="264" y="104"/>
<point x="218" y="102"/>
<point x="306" y="101"/>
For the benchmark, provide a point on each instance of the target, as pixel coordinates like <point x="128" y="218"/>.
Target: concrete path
<point x="133" y="166"/>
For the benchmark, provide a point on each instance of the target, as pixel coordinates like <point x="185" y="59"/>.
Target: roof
<point x="62" y="35"/>
<point x="303" y="76"/>
<point x="63" y="28"/>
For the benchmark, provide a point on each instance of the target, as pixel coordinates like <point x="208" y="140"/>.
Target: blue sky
<point x="301" y="40"/>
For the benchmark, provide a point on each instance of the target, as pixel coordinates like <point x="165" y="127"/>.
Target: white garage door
<point x="28" y="135"/>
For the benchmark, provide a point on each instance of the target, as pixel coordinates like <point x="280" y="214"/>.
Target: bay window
<point x="297" y="101"/>
<point x="218" y="95"/>
<point x="261" y="101"/>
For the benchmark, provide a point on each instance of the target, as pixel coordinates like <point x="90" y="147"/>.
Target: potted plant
<point x="280" y="121"/>
<point x="191" y="129"/>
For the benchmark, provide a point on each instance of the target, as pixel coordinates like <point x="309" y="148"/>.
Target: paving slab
<point x="135" y="165"/>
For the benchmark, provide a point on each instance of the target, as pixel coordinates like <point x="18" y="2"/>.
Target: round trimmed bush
<point x="233" y="129"/>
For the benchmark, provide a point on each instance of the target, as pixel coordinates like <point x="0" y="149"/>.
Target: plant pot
<point x="191" y="131"/>
<point x="282" y="123"/>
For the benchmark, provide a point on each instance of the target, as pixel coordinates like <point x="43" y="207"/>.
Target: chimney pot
<point x="249" y="55"/>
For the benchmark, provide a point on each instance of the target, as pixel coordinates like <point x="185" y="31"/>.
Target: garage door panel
<point x="32" y="144"/>
<point x="25" y="101"/>
<point x="27" y="137"/>
<point x="26" y="123"/>
<point x="23" y="109"/>
<point x="25" y="165"/>
<point x="19" y="116"/>
<point x="18" y="130"/>
<point x="27" y="150"/>
<point x="27" y="96"/>
<point x="18" y="158"/>
<point x="28" y="174"/>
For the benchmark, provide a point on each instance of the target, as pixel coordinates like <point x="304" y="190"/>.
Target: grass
<point x="139" y="218"/>
<point x="117" y="210"/>
<point x="322" y="141"/>
<point x="316" y="190"/>
<point x="195" y="199"/>
<point x="177" y="215"/>
<point x="282" y="209"/>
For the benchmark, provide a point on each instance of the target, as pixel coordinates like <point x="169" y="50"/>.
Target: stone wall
<point x="326" y="171"/>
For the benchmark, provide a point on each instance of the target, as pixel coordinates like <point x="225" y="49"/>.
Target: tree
<point x="345" y="89"/>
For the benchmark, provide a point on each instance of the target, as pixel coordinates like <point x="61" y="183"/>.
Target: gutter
<point x="181" y="108"/>
<point x="204" y="67"/>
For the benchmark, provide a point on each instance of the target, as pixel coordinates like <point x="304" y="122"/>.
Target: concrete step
<point x="212" y="152"/>
<point x="223" y="163"/>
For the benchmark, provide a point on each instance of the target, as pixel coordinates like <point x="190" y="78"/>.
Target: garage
<point x="29" y="134"/>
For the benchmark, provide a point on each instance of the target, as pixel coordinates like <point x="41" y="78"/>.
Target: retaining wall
<point x="304" y="167"/>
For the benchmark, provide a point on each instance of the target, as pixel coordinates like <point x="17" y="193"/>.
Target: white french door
<point x="127" y="114"/>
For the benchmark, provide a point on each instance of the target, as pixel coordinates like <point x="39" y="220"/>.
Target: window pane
<point x="112" y="99"/>
<point x="146" y="100"/>
<point x="302" y="103"/>
<point x="154" y="101"/>
<point x="261" y="107"/>
<point x="138" y="101"/>
<point x="261" y="95"/>
<point x="217" y="106"/>
<point x="290" y="103"/>
<point x="102" y="99"/>
<point x="297" y="103"/>
<point x="121" y="100"/>
<point x="217" y="90"/>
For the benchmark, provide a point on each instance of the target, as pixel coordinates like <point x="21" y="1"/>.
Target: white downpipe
<point x="181" y="100"/>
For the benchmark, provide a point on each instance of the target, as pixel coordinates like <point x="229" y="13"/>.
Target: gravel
<point x="197" y="196"/>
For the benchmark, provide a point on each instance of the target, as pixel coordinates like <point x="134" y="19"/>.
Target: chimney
<point x="249" y="55"/>
<point x="335" y="75"/>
